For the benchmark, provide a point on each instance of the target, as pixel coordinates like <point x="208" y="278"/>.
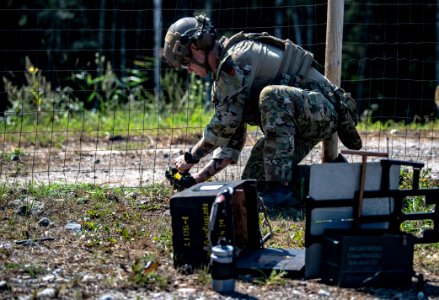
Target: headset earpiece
<point x="205" y="36"/>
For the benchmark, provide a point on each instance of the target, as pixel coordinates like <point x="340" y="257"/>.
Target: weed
<point x="97" y="194"/>
<point x="116" y="106"/>
<point x="37" y="101"/>
<point x="90" y="226"/>
<point x="29" y="205"/>
<point x="93" y="214"/>
<point x="274" y="278"/>
<point x="144" y="272"/>
<point x="125" y="234"/>
<point x="416" y="204"/>
<point x="164" y="241"/>
<point x="297" y="234"/>
<point x="202" y="276"/>
<point x="15" y="155"/>
<point x="12" y="266"/>
<point x="4" y="190"/>
<point x="32" y="270"/>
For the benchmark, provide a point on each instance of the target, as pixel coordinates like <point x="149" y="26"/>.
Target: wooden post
<point x="334" y="39"/>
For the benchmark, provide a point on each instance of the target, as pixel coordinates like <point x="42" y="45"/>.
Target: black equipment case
<point x="237" y="221"/>
<point x="367" y="258"/>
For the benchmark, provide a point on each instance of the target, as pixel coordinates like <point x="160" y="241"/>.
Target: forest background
<point x="389" y="49"/>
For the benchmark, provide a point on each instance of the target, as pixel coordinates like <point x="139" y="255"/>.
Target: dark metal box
<point x="237" y="221"/>
<point x="368" y="259"/>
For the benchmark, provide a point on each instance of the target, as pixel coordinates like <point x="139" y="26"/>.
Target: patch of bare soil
<point x="140" y="160"/>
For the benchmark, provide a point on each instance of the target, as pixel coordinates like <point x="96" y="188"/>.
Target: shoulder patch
<point x="229" y="67"/>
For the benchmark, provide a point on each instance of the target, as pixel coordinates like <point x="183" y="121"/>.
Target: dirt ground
<point x="85" y="265"/>
<point x="138" y="161"/>
<point x="123" y="248"/>
<point x="100" y="261"/>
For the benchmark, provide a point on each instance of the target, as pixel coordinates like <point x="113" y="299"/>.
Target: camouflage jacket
<point x="243" y="71"/>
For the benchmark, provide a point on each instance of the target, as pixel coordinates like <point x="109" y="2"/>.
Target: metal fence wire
<point x="85" y="97"/>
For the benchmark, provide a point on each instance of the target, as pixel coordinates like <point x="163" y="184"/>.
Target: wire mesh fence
<point x="85" y="98"/>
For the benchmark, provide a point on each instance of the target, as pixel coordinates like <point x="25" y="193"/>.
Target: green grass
<point x="29" y="269"/>
<point x="389" y="125"/>
<point x="113" y="220"/>
<point x="46" y="130"/>
<point x="136" y="116"/>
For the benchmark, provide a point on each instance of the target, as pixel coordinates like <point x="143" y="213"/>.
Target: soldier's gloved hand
<point x="178" y="180"/>
<point x="185" y="162"/>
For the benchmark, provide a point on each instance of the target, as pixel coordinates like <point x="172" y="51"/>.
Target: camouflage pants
<point x="293" y="121"/>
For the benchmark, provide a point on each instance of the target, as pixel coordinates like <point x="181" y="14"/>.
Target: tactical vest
<point x="295" y="63"/>
<point x="293" y="69"/>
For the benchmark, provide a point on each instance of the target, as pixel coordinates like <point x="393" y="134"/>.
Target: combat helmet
<point x="182" y="33"/>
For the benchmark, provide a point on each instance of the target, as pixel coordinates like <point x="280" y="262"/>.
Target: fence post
<point x="157" y="44"/>
<point x="334" y="39"/>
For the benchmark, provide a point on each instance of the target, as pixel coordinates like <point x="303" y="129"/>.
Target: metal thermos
<point x="223" y="269"/>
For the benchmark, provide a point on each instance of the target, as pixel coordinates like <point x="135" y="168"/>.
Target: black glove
<point x="178" y="180"/>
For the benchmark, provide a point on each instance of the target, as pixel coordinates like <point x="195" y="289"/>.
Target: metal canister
<point x="223" y="269"/>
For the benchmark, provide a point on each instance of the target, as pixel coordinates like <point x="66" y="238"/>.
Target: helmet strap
<point x="206" y="61"/>
<point x="204" y="65"/>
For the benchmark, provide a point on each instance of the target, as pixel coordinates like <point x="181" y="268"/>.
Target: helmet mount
<point x="205" y="35"/>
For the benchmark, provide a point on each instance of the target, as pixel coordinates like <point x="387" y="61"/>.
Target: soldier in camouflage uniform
<point x="264" y="83"/>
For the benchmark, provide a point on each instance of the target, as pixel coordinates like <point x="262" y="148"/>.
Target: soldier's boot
<point x="276" y="194"/>
<point x="346" y="130"/>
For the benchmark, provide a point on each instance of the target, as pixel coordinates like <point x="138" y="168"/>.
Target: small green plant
<point x="4" y="190"/>
<point x="144" y="273"/>
<point x="274" y="278"/>
<point x="203" y="276"/>
<point x="90" y="226"/>
<point x="297" y="234"/>
<point x="32" y="270"/>
<point x="107" y="91"/>
<point x="36" y="100"/>
<point x="15" y="155"/>
<point x="416" y="204"/>
<point x="264" y="224"/>
<point x="93" y="214"/>
<point x="28" y="206"/>
<point x="163" y="240"/>
<point x="124" y="232"/>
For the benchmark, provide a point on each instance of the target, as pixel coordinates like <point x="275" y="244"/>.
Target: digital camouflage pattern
<point x="293" y="122"/>
<point x="293" y="119"/>
<point x="254" y="168"/>
<point x="235" y="92"/>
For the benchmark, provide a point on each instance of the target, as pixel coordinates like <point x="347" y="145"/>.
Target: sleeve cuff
<point x="226" y="153"/>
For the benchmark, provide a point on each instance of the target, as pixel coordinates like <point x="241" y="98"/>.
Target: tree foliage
<point x="388" y="49"/>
